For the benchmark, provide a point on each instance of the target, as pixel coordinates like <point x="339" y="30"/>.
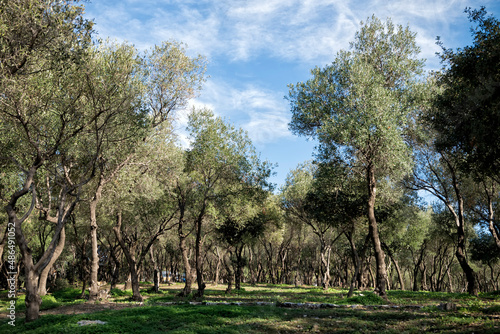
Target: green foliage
<point x="483" y="248"/>
<point x="364" y="101"/>
<point x="466" y="114"/>
<point x="48" y="302"/>
<point x="366" y="298"/>
<point x="61" y="284"/>
<point x="67" y="294"/>
<point x="120" y="293"/>
<point x="472" y="315"/>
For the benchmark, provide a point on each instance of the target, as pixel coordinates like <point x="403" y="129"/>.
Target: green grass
<point x="233" y="319"/>
<point x="474" y="314"/>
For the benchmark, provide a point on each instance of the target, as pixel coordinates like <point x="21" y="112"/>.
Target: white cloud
<point x="262" y="113"/>
<point x="303" y="32"/>
<point x="295" y="30"/>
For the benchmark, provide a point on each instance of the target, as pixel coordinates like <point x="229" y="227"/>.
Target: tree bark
<point x="94" y="266"/>
<point x="239" y="267"/>
<point x="217" y="267"/>
<point x="495" y="232"/>
<point x="134" y="277"/>
<point x="185" y="260"/>
<point x="33" y="271"/>
<point x="229" y="272"/>
<point x="381" y="278"/>
<point x="325" y="264"/>
<point x="156" y="272"/>
<point x="198" y="255"/>
<point x="472" y="284"/>
<point x="356" y="261"/>
<point x="42" y="284"/>
<point x="396" y="265"/>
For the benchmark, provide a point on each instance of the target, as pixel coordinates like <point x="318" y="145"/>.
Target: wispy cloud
<point x="262" y="113"/>
<point x="295" y="30"/>
<point x="300" y="32"/>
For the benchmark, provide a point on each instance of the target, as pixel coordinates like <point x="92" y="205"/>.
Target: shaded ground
<point x="265" y="309"/>
<point x="88" y="308"/>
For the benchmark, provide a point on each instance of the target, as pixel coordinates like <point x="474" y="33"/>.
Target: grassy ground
<point x="164" y="311"/>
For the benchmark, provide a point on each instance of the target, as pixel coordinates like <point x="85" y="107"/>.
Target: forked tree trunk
<point x="94" y="267"/>
<point x="362" y="279"/>
<point x="134" y="277"/>
<point x="381" y="277"/>
<point x="33" y="271"/>
<point x="396" y="265"/>
<point x="355" y="259"/>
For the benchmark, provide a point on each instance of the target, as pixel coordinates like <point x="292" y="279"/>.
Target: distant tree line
<point x="97" y="188"/>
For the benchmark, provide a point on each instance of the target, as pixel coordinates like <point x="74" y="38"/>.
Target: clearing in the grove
<point x="260" y="309"/>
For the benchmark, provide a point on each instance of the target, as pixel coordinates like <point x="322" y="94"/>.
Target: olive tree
<point x="362" y="104"/>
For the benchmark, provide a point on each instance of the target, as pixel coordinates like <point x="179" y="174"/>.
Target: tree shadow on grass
<point x="265" y="319"/>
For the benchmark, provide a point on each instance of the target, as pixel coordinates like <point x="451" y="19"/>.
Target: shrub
<point x="68" y="294"/>
<point x="120" y="293"/>
<point x="61" y="284"/>
<point x="366" y="298"/>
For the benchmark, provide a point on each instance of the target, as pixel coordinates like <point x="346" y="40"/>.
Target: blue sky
<point x="255" y="48"/>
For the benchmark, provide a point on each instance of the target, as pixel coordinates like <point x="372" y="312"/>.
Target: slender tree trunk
<point x="418" y="265"/>
<point x="217" y="266"/>
<point x="185" y="260"/>
<point x="355" y="259"/>
<point x="94" y="265"/>
<point x="239" y="268"/>
<point x="495" y="232"/>
<point x="229" y="272"/>
<point x="42" y="284"/>
<point x="199" y="259"/>
<point x="251" y="266"/>
<point x="450" y="281"/>
<point x="156" y="272"/>
<point x="115" y="275"/>
<point x="396" y="265"/>
<point x="134" y="277"/>
<point x="472" y="284"/>
<point x="380" y="284"/>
